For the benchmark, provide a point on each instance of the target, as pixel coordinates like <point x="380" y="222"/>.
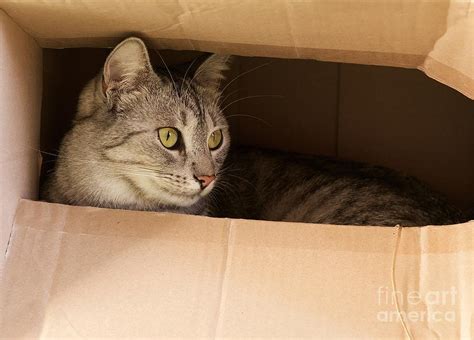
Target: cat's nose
<point x="204" y="181"/>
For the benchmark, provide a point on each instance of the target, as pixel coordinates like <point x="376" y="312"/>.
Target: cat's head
<point x="166" y="135"/>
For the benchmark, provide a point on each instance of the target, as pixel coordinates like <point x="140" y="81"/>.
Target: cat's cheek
<point x="155" y="190"/>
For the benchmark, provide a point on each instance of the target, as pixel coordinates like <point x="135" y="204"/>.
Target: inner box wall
<point x="388" y="116"/>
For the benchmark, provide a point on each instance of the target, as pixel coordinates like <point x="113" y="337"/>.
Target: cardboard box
<point x="88" y="272"/>
<point x="126" y="274"/>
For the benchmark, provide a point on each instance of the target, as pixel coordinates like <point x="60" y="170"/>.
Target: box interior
<point x="388" y="116"/>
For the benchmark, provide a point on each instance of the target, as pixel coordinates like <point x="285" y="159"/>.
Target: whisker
<point x="227" y="189"/>
<point x="242" y="179"/>
<point x="168" y="70"/>
<point x="228" y="95"/>
<point x="186" y="73"/>
<point x="34" y="149"/>
<point x="250" y="116"/>
<point x="244" y="73"/>
<point x="251" y="97"/>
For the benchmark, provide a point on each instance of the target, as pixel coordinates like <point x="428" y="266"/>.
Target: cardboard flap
<point x="139" y="274"/>
<point x="393" y="33"/>
<point x="20" y="107"/>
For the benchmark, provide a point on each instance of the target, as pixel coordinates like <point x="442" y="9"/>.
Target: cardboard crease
<point x="227" y="262"/>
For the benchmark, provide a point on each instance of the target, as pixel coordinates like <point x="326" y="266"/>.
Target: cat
<point x="159" y="141"/>
<point x="142" y="140"/>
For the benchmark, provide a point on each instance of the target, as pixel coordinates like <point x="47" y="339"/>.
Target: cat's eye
<point x="168" y="137"/>
<point x="215" y="140"/>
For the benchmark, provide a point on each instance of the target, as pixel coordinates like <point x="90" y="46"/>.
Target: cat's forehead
<point x="159" y="111"/>
<point x="186" y="104"/>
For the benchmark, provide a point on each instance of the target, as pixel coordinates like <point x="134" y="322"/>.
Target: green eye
<point x="168" y="137"/>
<point x="215" y="140"/>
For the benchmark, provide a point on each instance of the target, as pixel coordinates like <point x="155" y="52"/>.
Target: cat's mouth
<point x="185" y="198"/>
<point x="191" y="194"/>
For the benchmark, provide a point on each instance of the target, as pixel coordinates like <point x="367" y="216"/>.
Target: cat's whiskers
<point x="213" y="199"/>
<point x="243" y="74"/>
<point x="221" y="100"/>
<point x="252" y="97"/>
<point x="222" y="173"/>
<point x="169" y="182"/>
<point x="242" y="179"/>
<point x="227" y="171"/>
<point x="169" y="72"/>
<point x="185" y="74"/>
<point x="250" y="116"/>
<point x="225" y="188"/>
<point x="29" y="148"/>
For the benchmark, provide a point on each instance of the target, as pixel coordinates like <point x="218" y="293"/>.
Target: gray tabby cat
<point x="141" y="140"/>
<point x="159" y="142"/>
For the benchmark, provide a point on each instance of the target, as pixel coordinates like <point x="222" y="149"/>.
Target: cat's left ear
<point x="125" y="63"/>
<point x="211" y="72"/>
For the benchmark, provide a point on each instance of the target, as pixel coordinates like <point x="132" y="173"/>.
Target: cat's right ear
<point x="124" y="64"/>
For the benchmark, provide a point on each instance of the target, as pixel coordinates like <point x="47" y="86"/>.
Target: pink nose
<point x="205" y="180"/>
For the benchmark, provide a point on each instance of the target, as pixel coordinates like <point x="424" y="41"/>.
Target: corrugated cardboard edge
<point x="433" y="68"/>
<point x="428" y="239"/>
<point x="451" y="61"/>
<point x="20" y="98"/>
<point x="449" y="76"/>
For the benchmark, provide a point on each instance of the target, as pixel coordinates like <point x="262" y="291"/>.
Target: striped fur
<point x="270" y="185"/>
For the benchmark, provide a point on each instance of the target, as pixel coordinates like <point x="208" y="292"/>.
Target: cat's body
<point x="279" y="186"/>
<point x="148" y="141"/>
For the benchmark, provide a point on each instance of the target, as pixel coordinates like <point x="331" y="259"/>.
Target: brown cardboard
<point x="137" y="274"/>
<point x="20" y="107"/>
<point x="87" y="272"/>
<point x="434" y="36"/>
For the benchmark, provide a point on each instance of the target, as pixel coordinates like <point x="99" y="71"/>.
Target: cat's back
<point x="280" y="186"/>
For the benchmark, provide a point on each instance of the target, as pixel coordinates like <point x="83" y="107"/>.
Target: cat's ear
<point x="128" y="60"/>
<point x="211" y="72"/>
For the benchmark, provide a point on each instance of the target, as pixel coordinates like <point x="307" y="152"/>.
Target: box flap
<point x="435" y="36"/>
<point x="21" y="73"/>
<point x="140" y="274"/>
